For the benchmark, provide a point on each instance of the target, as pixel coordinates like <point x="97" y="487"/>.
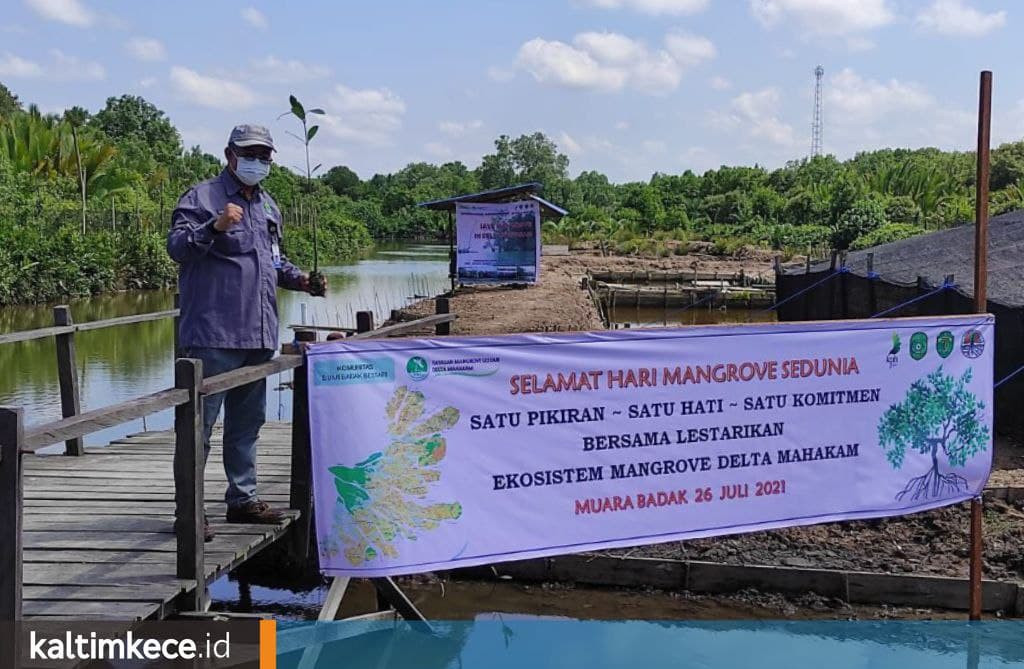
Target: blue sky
<point x="627" y="87"/>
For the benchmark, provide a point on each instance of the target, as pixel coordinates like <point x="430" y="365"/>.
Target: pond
<point x="119" y="363"/>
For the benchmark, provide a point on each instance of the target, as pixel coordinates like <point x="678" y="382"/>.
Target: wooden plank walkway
<point x="98" y="530"/>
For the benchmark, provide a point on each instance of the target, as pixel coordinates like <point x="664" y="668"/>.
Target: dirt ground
<point x="757" y="263"/>
<point x="934" y="543"/>
<point x="557" y="304"/>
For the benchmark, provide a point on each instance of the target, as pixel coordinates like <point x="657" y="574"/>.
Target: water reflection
<point x="117" y="364"/>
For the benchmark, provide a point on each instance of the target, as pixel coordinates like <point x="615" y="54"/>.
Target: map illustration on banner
<point x="436" y="454"/>
<point x="498" y="242"/>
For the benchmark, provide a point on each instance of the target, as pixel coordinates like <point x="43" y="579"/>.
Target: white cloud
<point x="273" y="70"/>
<point x="61" y="67"/>
<point x="850" y="98"/>
<point x="212" y="92"/>
<point x="459" y="128"/>
<point x="500" y="75"/>
<point x="756" y="112"/>
<point x="439" y="150"/>
<point x="209" y="139"/>
<point x="70" y="68"/>
<point x="824" y="17"/>
<point x="146" y="48"/>
<point x="720" y="83"/>
<point x="689" y="49"/>
<point x="147" y="82"/>
<point x="654" y="146"/>
<point x="16" y="67"/>
<point x="368" y="116"/>
<point x="71" y="12"/>
<point x="674" y="7"/>
<point x="255" y="18"/>
<point x="610" y="61"/>
<point x="954" y="17"/>
<point x="568" y="144"/>
<point x="558" y="63"/>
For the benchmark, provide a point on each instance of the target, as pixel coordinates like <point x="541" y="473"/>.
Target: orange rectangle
<point x="268" y="644"/>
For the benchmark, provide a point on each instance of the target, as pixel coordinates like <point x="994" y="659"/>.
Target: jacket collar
<point x="232" y="186"/>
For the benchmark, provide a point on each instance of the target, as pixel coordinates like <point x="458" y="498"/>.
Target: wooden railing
<point x="186" y="398"/>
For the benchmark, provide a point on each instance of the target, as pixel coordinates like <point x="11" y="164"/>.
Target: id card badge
<point x="275" y="255"/>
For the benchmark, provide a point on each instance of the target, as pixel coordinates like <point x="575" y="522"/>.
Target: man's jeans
<point x="245" y="411"/>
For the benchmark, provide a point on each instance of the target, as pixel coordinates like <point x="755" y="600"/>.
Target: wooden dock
<point x="98" y="530"/>
<point x="116" y="533"/>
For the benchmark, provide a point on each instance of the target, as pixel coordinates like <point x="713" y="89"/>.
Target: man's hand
<point x="229" y="218"/>
<point x="316" y="287"/>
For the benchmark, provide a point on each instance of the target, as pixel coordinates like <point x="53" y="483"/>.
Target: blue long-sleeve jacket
<point x="227" y="280"/>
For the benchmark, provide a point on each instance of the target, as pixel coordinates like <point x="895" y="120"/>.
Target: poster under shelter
<point x="498" y="242"/>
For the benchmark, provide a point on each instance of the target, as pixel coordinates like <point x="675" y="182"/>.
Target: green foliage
<point x="136" y="169"/>
<point x="861" y="219"/>
<point x="903" y="209"/>
<point x="131" y="118"/>
<point x="526" y="158"/>
<point x="343" y="181"/>
<point x="889" y="232"/>
<point x="9" y="103"/>
<point x="1007" y="165"/>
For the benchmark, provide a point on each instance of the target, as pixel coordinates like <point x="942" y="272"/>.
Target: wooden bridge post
<point x="12" y="439"/>
<point x="189" y="464"/>
<point x="300" y="494"/>
<point x="441" y="306"/>
<point x="364" y="321"/>
<point x="67" y="376"/>
<point x="177" y="323"/>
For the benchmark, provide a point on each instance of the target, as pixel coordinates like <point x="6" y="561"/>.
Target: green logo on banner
<point x="918" y="345"/>
<point x="944" y="343"/>
<point x="418" y="368"/>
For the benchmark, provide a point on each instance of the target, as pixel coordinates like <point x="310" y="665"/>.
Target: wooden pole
<point x="452" y="272"/>
<point x="67" y="376"/>
<point x="441" y="306"/>
<point x="980" y="301"/>
<point x="300" y="494"/>
<point x="189" y="463"/>
<point x="12" y="439"/>
<point x="177" y="325"/>
<point x="364" y="321"/>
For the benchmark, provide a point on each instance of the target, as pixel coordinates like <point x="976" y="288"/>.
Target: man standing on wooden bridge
<point x="226" y="236"/>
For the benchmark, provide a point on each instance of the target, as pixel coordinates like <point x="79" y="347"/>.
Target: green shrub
<point x="890" y="232"/>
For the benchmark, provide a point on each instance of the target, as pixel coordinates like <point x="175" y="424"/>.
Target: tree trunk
<point x="81" y="173"/>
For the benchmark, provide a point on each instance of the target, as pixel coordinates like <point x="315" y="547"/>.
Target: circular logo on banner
<point x="973" y="344"/>
<point x="944" y="343"/>
<point x="918" y="345"/>
<point x="418" y="368"/>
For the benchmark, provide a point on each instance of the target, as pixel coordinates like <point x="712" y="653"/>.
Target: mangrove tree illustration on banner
<point x="384" y="494"/>
<point x="939" y="417"/>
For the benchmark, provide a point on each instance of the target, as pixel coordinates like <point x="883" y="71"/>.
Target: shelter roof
<point x="527" y="191"/>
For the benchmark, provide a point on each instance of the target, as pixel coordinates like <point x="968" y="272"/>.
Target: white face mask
<point x="251" y="171"/>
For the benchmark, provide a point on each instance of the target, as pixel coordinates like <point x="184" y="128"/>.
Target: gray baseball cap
<point x="251" y="135"/>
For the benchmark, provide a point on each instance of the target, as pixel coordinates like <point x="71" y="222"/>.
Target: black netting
<point x="913" y="267"/>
